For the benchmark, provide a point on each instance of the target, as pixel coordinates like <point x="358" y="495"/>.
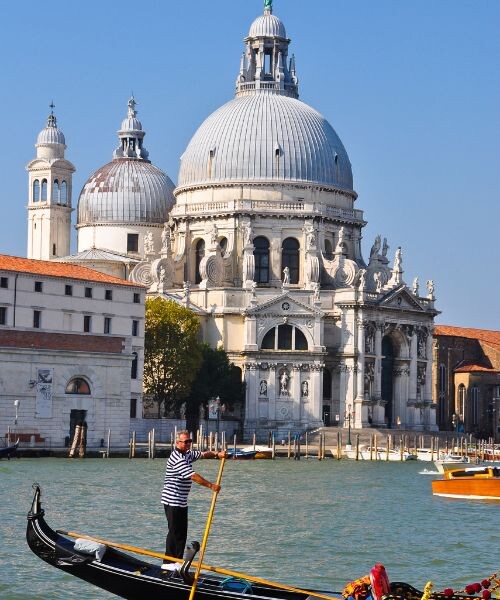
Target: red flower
<point x="486" y="594"/>
<point x="486" y="583"/>
<point x="470" y="589"/>
<point x="478" y="587"/>
<point x="448" y="592"/>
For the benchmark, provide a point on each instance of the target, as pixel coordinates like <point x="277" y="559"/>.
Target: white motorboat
<point x="379" y="453"/>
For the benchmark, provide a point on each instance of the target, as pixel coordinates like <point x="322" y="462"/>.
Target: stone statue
<point x="186" y="287"/>
<point x="284" y="379"/>
<point x="286" y="275"/>
<point x="341" y="242"/>
<point x="398" y="260"/>
<point x="254" y="289"/>
<point x="182" y="411"/>
<point x="263" y="387"/>
<point x="362" y="279"/>
<point x="385" y="247"/>
<point x="148" y="243"/>
<point x="305" y="389"/>
<point x="165" y="238"/>
<point x="378" y="281"/>
<point x="247" y="234"/>
<point x="310" y="237"/>
<point x="316" y="288"/>
<point x="268" y="5"/>
<point x="161" y="276"/>
<point x="430" y="289"/>
<point x="415" y="286"/>
<point x="375" y="247"/>
<point x="214" y="234"/>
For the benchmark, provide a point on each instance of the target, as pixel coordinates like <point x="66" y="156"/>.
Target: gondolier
<point x="179" y="476"/>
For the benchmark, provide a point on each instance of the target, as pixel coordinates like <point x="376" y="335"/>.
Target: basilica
<point x="261" y="237"/>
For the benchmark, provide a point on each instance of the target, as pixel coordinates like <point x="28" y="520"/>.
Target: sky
<point x="412" y="88"/>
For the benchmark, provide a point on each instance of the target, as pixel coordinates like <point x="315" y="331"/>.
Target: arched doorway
<point x="387" y="378"/>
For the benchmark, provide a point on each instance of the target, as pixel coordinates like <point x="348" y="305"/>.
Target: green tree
<point x="217" y="376"/>
<point x="172" y="353"/>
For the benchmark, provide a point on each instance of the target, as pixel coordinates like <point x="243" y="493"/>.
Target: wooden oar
<point x="204" y="567"/>
<point x="207" y="531"/>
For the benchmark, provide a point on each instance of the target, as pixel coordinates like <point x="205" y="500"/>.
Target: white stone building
<point x="71" y="350"/>
<point x="265" y="237"/>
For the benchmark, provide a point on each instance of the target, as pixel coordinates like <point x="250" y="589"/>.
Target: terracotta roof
<point x="10" y="338"/>
<point x="58" y="269"/>
<point x="491" y="338"/>
<point x="472" y="368"/>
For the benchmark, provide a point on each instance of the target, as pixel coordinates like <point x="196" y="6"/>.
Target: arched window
<point x="223" y="245"/>
<point x="44" y="190"/>
<point x="200" y="253"/>
<point x="284" y="337"/>
<point x="55" y="192"/>
<point x="78" y="386"/>
<point x="36" y="191"/>
<point x="261" y="256"/>
<point x="64" y="193"/>
<point x="290" y="258"/>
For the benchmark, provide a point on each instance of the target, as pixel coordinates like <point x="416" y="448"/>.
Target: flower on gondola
<point x="486" y="583"/>
<point x="473" y="588"/>
<point x="448" y="592"/>
<point x="486" y="594"/>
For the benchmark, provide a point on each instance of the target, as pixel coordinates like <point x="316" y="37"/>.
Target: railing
<point x="264" y="206"/>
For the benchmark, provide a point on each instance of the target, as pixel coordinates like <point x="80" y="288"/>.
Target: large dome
<point x="266" y="137"/>
<point x="126" y="190"/>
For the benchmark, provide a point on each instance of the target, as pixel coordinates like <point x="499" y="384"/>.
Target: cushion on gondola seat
<point x="90" y="547"/>
<point x="235" y="584"/>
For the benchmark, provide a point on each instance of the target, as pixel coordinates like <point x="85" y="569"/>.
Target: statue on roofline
<point x="268" y="5"/>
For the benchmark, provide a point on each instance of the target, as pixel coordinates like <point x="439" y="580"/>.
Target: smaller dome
<point x="131" y="124"/>
<point x="51" y="134"/>
<point x="126" y="191"/>
<point x="267" y="25"/>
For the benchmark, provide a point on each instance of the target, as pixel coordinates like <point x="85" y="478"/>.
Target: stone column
<point x="412" y="395"/>
<point x="360" y="376"/>
<point x="295" y="391"/>
<point x="251" y="376"/>
<point x="271" y="392"/>
<point x="377" y="376"/>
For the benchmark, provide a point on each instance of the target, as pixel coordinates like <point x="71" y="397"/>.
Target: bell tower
<point x="49" y="195"/>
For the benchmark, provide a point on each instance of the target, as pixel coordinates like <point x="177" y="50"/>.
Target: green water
<point x="302" y="523"/>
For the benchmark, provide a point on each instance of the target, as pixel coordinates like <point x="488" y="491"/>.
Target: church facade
<point x="263" y="241"/>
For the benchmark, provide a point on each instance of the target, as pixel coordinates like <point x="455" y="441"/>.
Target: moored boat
<point x="379" y="453"/>
<point x="476" y="483"/>
<point x="241" y="454"/>
<point x="9" y="451"/>
<point x="261" y="452"/>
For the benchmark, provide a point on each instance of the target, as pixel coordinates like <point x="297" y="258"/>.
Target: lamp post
<point x="217" y="408"/>
<point x="347" y="417"/>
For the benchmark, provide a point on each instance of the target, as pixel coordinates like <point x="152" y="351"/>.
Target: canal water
<point x="304" y="523"/>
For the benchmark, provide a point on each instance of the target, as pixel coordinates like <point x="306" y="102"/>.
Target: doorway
<point x="326" y="415"/>
<point x="387" y="379"/>
<point x="76" y="417"/>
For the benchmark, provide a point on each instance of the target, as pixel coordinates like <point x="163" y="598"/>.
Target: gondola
<point x="9" y="450"/>
<point x="127" y="577"/>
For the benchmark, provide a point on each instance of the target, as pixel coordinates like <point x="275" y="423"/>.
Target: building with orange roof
<point x="466" y="380"/>
<point x="71" y="352"/>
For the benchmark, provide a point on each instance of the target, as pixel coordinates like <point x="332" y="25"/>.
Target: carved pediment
<point x="401" y="298"/>
<point x="282" y="306"/>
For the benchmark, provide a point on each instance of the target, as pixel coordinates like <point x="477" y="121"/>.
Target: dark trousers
<point x="177" y="518"/>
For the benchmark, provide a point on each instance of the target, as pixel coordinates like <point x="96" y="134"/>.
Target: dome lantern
<point x="50" y="142"/>
<point x="265" y="67"/>
<point x="131" y="135"/>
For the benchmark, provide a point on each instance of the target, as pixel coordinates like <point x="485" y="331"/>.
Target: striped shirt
<point x="178" y="477"/>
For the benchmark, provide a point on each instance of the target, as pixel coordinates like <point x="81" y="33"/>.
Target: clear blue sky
<point x="412" y="88"/>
